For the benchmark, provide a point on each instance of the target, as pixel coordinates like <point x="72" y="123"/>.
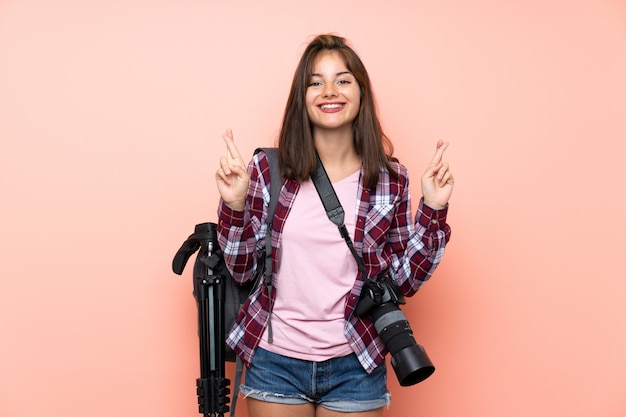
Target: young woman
<point x="324" y="360"/>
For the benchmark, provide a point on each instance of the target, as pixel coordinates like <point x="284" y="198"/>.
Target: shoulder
<point x="259" y="166"/>
<point x="401" y="171"/>
<point x="391" y="187"/>
<point x="265" y="153"/>
<point x="259" y="155"/>
<point x="265" y="157"/>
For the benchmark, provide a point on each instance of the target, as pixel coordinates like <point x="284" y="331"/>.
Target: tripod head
<point x="204" y="237"/>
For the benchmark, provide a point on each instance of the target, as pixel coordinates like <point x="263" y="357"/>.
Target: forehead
<point x="328" y="62"/>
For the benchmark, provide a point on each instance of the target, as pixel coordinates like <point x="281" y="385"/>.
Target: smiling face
<point x="333" y="95"/>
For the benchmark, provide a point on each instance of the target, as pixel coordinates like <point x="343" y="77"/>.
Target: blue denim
<point x="338" y="384"/>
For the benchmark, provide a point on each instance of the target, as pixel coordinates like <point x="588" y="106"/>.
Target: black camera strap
<point x="334" y="210"/>
<point x="409" y="360"/>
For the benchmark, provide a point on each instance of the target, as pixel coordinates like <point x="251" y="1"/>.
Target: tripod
<point x="212" y="386"/>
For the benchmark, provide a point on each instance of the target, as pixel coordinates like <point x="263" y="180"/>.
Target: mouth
<point x="331" y="107"/>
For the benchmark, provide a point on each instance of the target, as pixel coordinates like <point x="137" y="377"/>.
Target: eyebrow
<point x="315" y="74"/>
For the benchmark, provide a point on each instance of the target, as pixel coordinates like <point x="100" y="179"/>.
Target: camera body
<point x="379" y="300"/>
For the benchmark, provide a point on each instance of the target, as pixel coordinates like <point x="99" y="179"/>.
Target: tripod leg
<point x="212" y="388"/>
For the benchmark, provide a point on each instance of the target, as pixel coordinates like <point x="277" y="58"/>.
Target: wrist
<point x="235" y="206"/>
<point x="433" y="205"/>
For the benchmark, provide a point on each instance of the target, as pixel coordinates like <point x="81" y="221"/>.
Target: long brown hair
<point x="295" y="142"/>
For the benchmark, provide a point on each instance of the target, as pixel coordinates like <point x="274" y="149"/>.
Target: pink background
<point x="111" y="114"/>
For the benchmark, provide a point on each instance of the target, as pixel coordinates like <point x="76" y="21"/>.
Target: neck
<point x="333" y="144"/>
<point x="337" y="153"/>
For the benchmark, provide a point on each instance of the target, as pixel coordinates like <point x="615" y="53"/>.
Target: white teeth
<point x="331" y="106"/>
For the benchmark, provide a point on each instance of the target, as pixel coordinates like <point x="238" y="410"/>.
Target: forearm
<point x="424" y="249"/>
<point x="237" y="241"/>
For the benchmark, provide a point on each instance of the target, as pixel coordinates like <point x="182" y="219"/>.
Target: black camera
<point x="380" y="300"/>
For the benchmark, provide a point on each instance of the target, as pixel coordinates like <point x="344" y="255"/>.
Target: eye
<point x="344" y="82"/>
<point x="315" y="83"/>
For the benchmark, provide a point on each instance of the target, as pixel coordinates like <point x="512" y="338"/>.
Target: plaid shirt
<point x="385" y="236"/>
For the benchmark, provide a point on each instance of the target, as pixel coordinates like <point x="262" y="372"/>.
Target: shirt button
<point x="434" y="221"/>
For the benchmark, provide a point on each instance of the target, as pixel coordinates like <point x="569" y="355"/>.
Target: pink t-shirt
<point x="316" y="273"/>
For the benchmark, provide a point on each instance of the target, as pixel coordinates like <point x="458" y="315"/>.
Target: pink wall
<point x="111" y="114"/>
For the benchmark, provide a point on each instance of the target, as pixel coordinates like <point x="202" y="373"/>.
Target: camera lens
<point x="409" y="360"/>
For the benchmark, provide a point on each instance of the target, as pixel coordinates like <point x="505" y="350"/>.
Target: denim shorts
<point x="338" y="384"/>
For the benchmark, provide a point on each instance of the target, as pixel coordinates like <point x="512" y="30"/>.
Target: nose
<point x="329" y="90"/>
